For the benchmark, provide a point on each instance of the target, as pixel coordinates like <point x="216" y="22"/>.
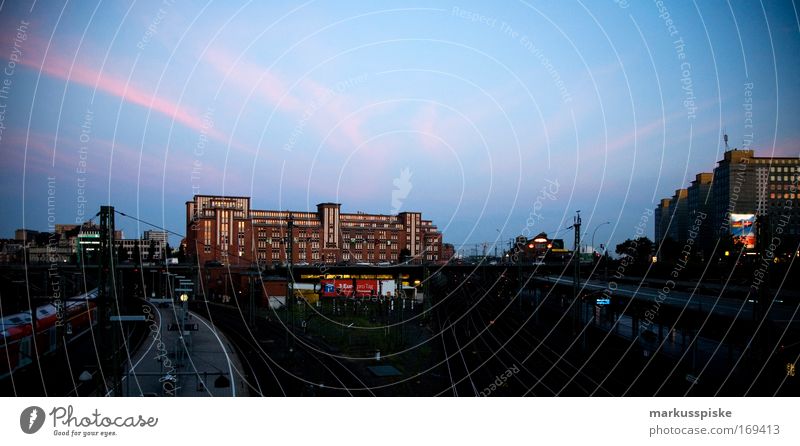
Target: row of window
<point x="774" y="161"/>
<point x="783" y="178"/>
<point x="784" y="169"/>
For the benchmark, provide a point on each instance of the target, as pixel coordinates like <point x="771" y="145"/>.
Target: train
<point x="18" y="342"/>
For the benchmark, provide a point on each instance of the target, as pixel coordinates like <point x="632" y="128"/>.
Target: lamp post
<point x="576" y="310"/>
<point x="181" y="352"/>
<point x="595" y="232"/>
<point x="184" y="310"/>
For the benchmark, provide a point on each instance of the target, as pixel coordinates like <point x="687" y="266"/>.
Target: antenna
<point x="725" y="137"/>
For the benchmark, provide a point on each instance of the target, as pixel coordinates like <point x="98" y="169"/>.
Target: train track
<point x="276" y="367"/>
<point x="493" y="349"/>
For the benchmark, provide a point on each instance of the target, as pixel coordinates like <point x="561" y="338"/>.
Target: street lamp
<point x="184" y="298"/>
<point x="605" y="260"/>
<point x="595" y="231"/>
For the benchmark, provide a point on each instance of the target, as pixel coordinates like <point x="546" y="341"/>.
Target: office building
<point x="741" y="183"/>
<point x="227" y="230"/>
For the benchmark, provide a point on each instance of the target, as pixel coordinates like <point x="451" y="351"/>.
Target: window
<point x="207" y="233"/>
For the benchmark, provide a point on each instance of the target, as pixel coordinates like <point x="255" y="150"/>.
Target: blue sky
<point x="295" y="104"/>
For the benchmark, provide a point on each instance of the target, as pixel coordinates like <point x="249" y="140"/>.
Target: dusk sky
<point x="608" y="106"/>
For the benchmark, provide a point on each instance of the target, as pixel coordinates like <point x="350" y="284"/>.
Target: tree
<point x="181" y="253"/>
<point x="669" y="251"/>
<point x="639" y="249"/>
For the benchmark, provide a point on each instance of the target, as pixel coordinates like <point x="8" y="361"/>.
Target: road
<point x="734" y="308"/>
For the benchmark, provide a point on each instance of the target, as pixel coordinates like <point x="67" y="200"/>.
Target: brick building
<point x="227" y="230"/>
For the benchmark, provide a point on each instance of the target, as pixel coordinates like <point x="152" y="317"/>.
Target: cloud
<point x="54" y="64"/>
<point x="311" y="102"/>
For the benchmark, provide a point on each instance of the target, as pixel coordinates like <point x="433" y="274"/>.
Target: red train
<point x="79" y="314"/>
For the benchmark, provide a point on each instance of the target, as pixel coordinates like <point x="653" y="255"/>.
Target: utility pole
<point x="763" y="236"/>
<point x="107" y="294"/>
<point x="427" y="302"/>
<point x="576" y="307"/>
<point x="290" y="279"/>
<point x="252" y="306"/>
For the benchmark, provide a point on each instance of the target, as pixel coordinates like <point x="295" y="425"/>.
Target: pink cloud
<point x="126" y="163"/>
<point x="269" y="86"/>
<point x="60" y="67"/>
<point x="307" y="99"/>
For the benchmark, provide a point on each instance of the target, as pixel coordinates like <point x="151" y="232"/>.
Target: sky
<point x="493" y="120"/>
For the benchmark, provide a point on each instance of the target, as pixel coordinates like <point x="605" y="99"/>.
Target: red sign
<point x="344" y="287"/>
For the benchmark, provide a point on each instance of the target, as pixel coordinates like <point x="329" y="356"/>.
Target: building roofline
<point x="220" y="196"/>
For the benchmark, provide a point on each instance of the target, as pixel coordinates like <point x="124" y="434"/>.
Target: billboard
<point x="344" y="287"/>
<point x="743" y="229"/>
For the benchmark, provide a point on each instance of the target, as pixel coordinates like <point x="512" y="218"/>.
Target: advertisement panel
<point x="344" y="287"/>
<point x="743" y="229"/>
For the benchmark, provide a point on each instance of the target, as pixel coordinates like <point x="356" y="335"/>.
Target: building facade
<point x="678" y="212"/>
<point x="156" y="235"/>
<point x="661" y="220"/>
<point x="699" y="210"/>
<point x="227" y="230"/>
<point x="741" y="183"/>
<point x="734" y="188"/>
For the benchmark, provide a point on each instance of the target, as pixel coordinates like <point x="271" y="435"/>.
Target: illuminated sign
<point x="603" y="301"/>
<point x="743" y="229"/>
<point x="347" y="276"/>
<point x="338" y="287"/>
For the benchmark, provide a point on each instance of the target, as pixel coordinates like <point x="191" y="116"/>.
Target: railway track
<point x="276" y="367"/>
